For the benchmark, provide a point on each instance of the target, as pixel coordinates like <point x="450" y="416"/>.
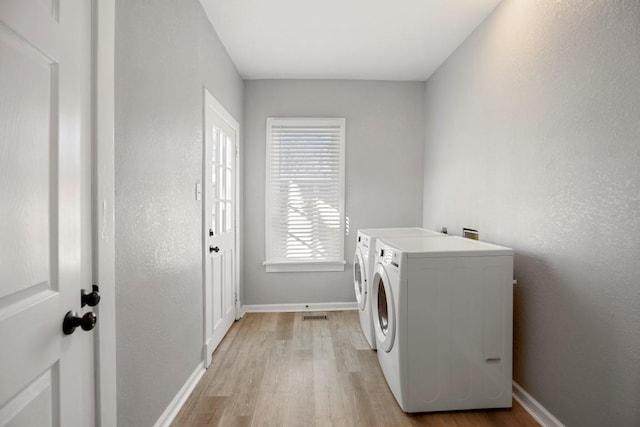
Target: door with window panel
<point x="219" y="219"/>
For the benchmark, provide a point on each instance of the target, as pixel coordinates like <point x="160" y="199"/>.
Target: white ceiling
<point x="343" y="39"/>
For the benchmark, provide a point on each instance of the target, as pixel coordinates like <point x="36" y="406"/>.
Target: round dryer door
<point x="384" y="316"/>
<point x="360" y="279"/>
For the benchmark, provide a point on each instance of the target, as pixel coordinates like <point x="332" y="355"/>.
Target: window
<point x="305" y="195"/>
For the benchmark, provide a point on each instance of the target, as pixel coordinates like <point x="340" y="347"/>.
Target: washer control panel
<point x="363" y="240"/>
<point x="363" y="243"/>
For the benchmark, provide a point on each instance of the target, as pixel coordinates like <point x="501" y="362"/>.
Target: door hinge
<point x="235" y="296"/>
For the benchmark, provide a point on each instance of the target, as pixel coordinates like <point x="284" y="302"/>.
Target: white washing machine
<point x="363" y="266"/>
<point x="443" y="322"/>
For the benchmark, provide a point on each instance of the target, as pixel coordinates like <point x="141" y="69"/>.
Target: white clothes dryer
<point x="443" y="322"/>
<point x="363" y="266"/>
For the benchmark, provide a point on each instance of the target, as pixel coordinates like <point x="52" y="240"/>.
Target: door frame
<point x="102" y="194"/>
<point x="209" y="99"/>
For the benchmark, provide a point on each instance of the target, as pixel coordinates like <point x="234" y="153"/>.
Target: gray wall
<point x="166" y="52"/>
<point x="533" y="137"/>
<point x="384" y="144"/>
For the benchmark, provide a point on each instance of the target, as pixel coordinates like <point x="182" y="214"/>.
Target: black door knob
<point x="71" y="321"/>
<point x="91" y="299"/>
<point x="214" y="249"/>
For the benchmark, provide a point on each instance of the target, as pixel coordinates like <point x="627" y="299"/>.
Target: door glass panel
<point x="222" y="194"/>
<point x="223" y="148"/>
<point x="222" y="217"/>
<point x="383" y="316"/>
<point x="214" y="149"/>
<point x="229" y="219"/>
<point x="214" y="182"/>
<point x="228" y="184"/>
<point x="222" y="163"/>
<point x="357" y="277"/>
<point x="229" y="162"/>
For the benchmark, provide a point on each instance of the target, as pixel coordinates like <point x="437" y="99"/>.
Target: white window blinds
<point x="305" y="194"/>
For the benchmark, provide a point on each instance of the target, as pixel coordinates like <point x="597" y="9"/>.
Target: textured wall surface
<point x="166" y="52"/>
<point x="533" y="137"/>
<point x="384" y="144"/>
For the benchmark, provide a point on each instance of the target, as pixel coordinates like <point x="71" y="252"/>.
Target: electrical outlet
<point x="470" y="233"/>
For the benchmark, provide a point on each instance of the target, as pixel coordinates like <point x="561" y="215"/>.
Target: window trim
<point x="304" y="265"/>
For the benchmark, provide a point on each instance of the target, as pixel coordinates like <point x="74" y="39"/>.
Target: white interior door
<point x="46" y="377"/>
<point x="220" y="160"/>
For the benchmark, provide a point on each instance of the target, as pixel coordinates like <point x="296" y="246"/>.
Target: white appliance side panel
<point x="461" y="317"/>
<point x="459" y="333"/>
<point x="443" y="325"/>
<point x="497" y="331"/>
<point x="427" y="355"/>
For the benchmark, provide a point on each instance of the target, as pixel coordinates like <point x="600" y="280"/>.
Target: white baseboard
<point x="241" y="312"/>
<point x="323" y="306"/>
<point x="176" y="404"/>
<point x="533" y="407"/>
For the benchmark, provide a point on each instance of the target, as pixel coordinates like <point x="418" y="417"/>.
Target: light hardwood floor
<point x="276" y="369"/>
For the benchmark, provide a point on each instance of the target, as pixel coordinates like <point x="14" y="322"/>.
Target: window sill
<point x="303" y="266"/>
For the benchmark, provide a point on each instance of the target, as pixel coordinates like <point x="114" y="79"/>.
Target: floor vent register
<point x="314" y="317"/>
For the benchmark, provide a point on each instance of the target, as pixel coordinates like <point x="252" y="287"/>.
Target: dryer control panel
<point x="363" y="240"/>
<point x="388" y="256"/>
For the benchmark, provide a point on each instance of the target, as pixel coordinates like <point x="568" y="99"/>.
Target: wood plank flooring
<point x="276" y="369"/>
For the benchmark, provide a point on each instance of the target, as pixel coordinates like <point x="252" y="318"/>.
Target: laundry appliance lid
<point x="420" y="247"/>
<point x="408" y="231"/>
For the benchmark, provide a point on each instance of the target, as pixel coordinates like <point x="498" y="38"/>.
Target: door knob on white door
<point x="214" y="249"/>
<point x="91" y="299"/>
<point x="71" y="321"/>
